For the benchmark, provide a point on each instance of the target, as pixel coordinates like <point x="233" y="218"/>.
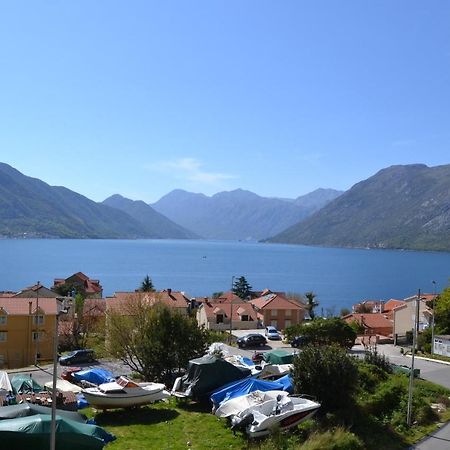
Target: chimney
<point x="169" y="291"/>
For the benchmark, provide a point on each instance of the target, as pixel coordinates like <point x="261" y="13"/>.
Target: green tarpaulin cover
<point x="25" y="384"/>
<point x="278" y="357"/>
<point x="209" y="373"/>
<point x="33" y="433"/>
<point x="28" y="409"/>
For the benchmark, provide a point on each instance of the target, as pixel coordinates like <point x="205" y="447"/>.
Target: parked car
<point x="251" y="340"/>
<point x="299" y="341"/>
<point x="77" y="357"/>
<point x="272" y="333"/>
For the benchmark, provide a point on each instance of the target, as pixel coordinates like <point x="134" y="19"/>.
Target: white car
<point x="272" y="334"/>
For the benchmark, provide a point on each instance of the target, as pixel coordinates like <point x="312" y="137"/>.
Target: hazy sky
<point x="278" y="97"/>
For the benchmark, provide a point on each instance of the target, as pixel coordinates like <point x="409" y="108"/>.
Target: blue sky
<point x="280" y="98"/>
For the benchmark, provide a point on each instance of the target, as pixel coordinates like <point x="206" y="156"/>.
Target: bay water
<point x="339" y="277"/>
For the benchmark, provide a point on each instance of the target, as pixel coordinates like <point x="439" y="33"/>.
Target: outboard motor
<point x="241" y="423"/>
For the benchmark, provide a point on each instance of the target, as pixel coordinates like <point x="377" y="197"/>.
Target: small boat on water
<point x="259" y="413"/>
<point x="124" y="393"/>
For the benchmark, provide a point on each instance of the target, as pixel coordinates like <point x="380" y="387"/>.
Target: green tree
<point x="324" y="332"/>
<point x="311" y="303"/>
<point x="147" y="285"/>
<point x="344" y="312"/>
<point x="69" y="289"/>
<point x="357" y="327"/>
<point x="328" y="373"/>
<point x="153" y="340"/>
<point x="217" y="294"/>
<point x="241" y="288"/>
<point x="442" y="312"/>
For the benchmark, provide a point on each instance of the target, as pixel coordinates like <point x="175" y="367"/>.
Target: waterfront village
<point x="258" y="343"/>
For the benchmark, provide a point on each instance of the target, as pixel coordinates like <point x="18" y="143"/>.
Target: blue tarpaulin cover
<point x="286" y="381"/>
<point x="96" y="376"/>
<point x="244" y="387"/>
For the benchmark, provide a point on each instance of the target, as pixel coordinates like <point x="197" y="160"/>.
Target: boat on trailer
<point x="124" y="393"/>
<point x="260" y="413"/>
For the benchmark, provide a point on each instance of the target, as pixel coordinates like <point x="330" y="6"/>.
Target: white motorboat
<point x="124" y="393"/>
<point x="260" y="413"/>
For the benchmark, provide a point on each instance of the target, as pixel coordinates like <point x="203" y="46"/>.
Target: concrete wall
<point x="442" y="346"/>
<point x="404" y="317"/>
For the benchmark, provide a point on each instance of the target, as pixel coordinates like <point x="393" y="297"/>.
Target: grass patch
<point x="168" y="425"/>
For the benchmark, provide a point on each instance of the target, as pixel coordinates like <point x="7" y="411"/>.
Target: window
<point x="37" y="336"/>
<point x="3" y="336"/>
<point x="219" y="318"/>
<point x="38" y="319"/>
<point x="274" y="312"/>
<point x="288" y="312"/>
<point x="244" y="318"/>
<point x="3" y="319"/>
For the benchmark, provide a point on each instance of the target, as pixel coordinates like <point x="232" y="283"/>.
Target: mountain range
<point x="239" y="214"/>
<point x="403" y="206"/>
<point x="30" y="207"/>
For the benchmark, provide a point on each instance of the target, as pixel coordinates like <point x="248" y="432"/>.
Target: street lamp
<point x="60" y="311"/>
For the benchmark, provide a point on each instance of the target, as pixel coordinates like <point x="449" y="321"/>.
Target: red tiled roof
<point x="174" y="299"/>
<point x="425" y="297"/>
<point x="90" y="286"/>
<point x="392" y="303"/>
<point x="374" y="320"/>
<point x="20" y="306"/>
<point x="275" y="301"/>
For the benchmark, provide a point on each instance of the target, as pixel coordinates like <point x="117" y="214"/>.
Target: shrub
<point x="337" y="439"/>
<point x="387" y="397"/>
<point x="324" y="332"/>
<point x="328" y="373"/>
<point x="378" y="360"/>
<point x="423" y="414"/>
<point x="370" y="376"/>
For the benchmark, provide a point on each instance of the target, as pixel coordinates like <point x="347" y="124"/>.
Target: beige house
<point x="276" y="310"/>
<point x="173" y="299"/>
<point x="216" y="315"/>
<point x="404" y="315"/>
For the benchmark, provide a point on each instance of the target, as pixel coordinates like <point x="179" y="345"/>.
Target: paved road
<point x="43" y="374"/>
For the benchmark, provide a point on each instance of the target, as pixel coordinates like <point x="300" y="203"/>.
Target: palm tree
<point x="311" y="303"/>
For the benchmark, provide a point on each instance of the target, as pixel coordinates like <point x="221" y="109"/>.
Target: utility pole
<point x="37" y="325"/>
<point x="231" y="310"/>
<point x="411" y="373"/>
<point x="432" y="319"/>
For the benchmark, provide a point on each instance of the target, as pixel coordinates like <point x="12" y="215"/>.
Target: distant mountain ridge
<point x="149" y="218"/>
<point x="31" y="208"/>
<point x="403" y="206"/>
<point x="238" y="214"/>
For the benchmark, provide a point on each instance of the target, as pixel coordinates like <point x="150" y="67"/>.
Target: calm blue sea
<point x="339" y="277"/>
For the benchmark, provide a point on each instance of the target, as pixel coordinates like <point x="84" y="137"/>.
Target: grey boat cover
<point x="28" y="409"/>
